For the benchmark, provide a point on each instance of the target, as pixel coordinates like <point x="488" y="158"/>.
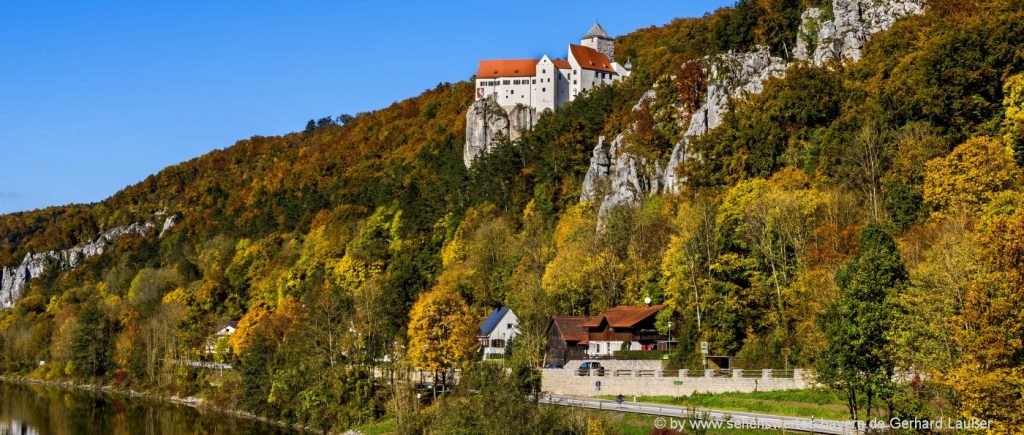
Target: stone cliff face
<point x="486" y="122"/>
<point x="13" y="279"/>
<point x="840" y="33"/>
<point x="615" y="177"/>
<point x="729" y="76"/>
<point x="618" y="177"/>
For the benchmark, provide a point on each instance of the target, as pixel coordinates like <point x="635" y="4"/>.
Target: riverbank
<point x="190" y="401"/>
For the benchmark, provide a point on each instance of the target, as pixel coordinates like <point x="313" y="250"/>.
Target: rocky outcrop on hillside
<point x="13" y="279"/>
<point x="840" y="32"/>
<point x="616" y="177"/>
<point x="733" y="75"/>
<point x="487" y="122"/>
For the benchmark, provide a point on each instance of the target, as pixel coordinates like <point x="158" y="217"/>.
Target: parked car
<point x="590" y="366"/>
<point x="426" y="391"/>
<point x="553" y="366"/>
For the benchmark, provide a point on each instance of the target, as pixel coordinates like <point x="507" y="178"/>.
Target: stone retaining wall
<point x="647" y="382"/>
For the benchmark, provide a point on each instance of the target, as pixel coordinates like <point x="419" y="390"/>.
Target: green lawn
<point x="387" y="426"/>
<point x="628" y="423"/>
<point x="796" y="403"/>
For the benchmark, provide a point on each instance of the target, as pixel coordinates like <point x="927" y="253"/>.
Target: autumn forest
<point x="857" y="219"/>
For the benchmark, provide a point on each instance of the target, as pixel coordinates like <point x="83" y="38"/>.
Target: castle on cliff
<point x="547" y="84"/>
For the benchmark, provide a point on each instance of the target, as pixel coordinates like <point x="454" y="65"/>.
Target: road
<point x="204" y="364"/>
<point x="679" y="417"/>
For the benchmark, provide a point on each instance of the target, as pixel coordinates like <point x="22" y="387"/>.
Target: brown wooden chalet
<point x="619" y="328"/>
<point x="567" y="339"/>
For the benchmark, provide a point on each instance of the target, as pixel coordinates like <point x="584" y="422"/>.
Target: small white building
<point x="547" y="84"/>
<point x="224" y="330"/>
<point x="497" y="332"/>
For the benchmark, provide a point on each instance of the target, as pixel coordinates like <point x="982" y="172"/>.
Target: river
<point x="41" y="410"/>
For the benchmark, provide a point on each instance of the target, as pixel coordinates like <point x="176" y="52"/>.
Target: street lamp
<point x="647" y="301"/>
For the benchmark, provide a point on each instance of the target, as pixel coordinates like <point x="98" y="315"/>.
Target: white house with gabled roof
<point x="497" y="332"/>
<point x="547" y="84"/>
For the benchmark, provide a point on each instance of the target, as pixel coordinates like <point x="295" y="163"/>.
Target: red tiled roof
<point x="624" y="316"/>
<point x="571" y="327"/>
<point x="561" y="63"/>
<point x="588" y="58"/>
<point x="507" y="68"/>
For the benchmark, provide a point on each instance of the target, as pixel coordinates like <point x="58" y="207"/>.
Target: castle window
<point x="543" y="89"/>
<point x="534" y="81"/>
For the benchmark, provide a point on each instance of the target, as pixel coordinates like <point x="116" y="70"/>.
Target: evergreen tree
<point x="855" y="361"/>
<point x="90" y="347"/>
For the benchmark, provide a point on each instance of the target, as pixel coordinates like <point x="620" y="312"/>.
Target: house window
<point x="512" y="91"/>
<point x="534" y="81"/>
<point x="543" y="89"/>
<point x="497" y="343"/>
<point x="511" y="325"/>
<point x="574" y="81"/>
<point x="506" y="82"/>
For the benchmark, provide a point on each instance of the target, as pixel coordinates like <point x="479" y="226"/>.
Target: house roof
<point x="490" y="69"/>
<point x="571" y="327"/>
<point x="561" y="63"/>
<point x="624" y="316"/>
<point x="588" y="58"/>
<point x="597" y="31"/>
<point x="492" y="321"/>
<point x="225" y="323"/>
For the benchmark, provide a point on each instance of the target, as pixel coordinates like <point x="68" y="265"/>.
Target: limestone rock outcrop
<point x="13" y="279"/>
<point x="733" y="75"/>
<point x="615" y="177"/>
<point x="840" y="33"/>
<point x="486" y="122"/>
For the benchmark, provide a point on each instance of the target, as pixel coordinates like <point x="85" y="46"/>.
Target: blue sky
<point x="95" y="96"/>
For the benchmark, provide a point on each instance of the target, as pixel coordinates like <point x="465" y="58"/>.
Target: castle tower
<point x="598" y="39"/>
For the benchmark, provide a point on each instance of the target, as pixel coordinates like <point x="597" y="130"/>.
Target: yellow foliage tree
<point x="970" y="176"/>
<point x="584" y="276"/>
<point x="247" y="327"/>
<point x="1013" y="124"/>
<point x="989" y="376"/>
<point x="441" y="330"/>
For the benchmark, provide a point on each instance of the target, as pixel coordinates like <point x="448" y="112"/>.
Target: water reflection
<point x="32" y="410"/>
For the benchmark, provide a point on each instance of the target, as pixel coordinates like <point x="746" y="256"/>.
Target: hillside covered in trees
<point x="865" y="216"/>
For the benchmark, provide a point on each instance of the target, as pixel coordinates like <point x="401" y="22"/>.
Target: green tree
<point x="91" y="349"/>
<point x="856" y="362"/>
